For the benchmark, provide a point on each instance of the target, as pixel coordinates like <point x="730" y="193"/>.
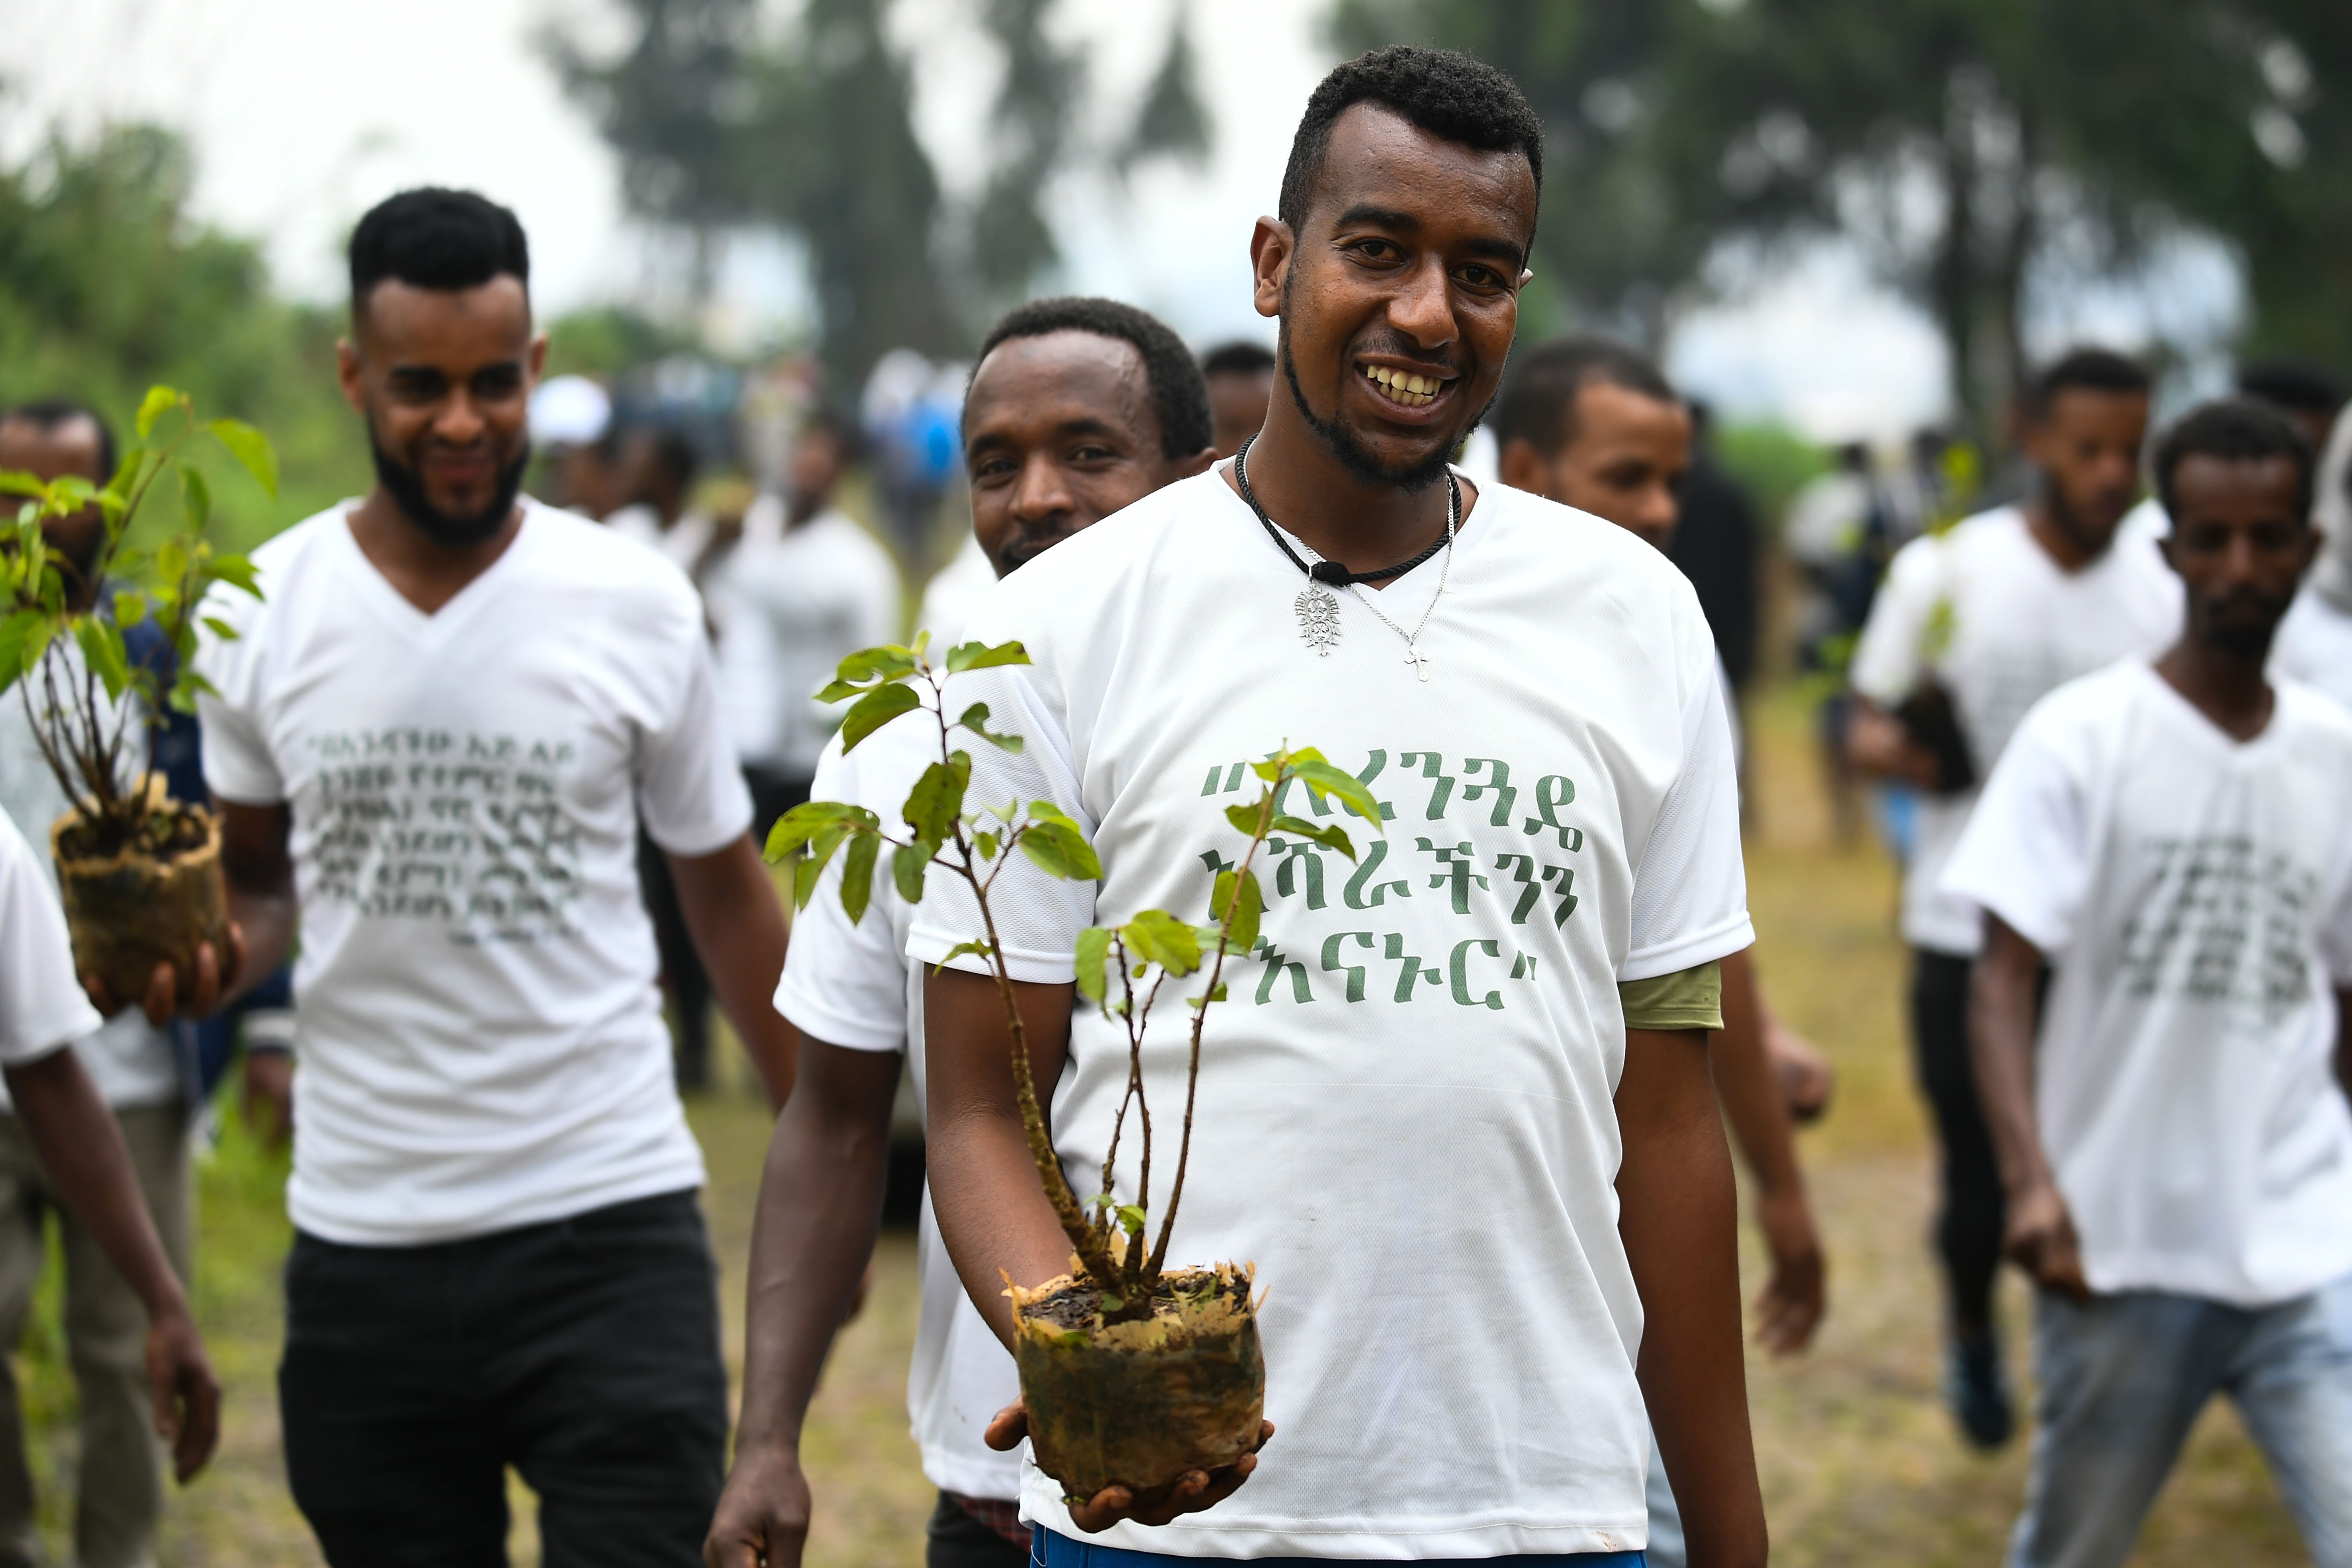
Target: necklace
<point x="1319" y="609"/>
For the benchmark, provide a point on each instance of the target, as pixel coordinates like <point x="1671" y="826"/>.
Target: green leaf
<point x="980" y="656"/>
<point x="1330" y="835"/>
<point x="1236" y="902"/>
<point x="875" y="709"/>
<point x="810" y="818"/>
<point x="907" y="864"/>
<point x="959" y="951"/>
<point x="1159" y="937"/>
<point x="1130" y="1218"/>
<point x="171" y="560"/>
<point x="857" y="876"/>
<point x="936" y="803"/>
<point x="221" y="628"/>
<point x="1059" y="849"/>
<point x="1245" y="818"/>
<point x="16" y="636"/>
<point x="158" y="401"/>
<point x="129" y="607"/>
<point x="101" y="644"/>
<point x="986" y="843"/>
<point x="1216" y="993"/>
<point x="198" y="494"/>
<point x="1093" y="956"/>
<point x="975" y="719"/>
<point x="861" y="669"/>
<point x="1322" y="779"/>
<point x="251" y="448"/>
<point x="235" y="571"/>
<point x="16" y="482"/>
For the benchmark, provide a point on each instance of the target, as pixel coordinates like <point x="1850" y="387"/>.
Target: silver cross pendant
<point x="1418" y="659"/>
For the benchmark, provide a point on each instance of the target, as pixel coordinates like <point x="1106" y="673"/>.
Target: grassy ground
<point x="1859" y="1464"/>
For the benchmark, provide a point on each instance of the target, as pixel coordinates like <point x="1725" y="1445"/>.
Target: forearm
<point x="1751" y="1101"/>
<point x="265" y="920"/>
<point x="2000" y="1044"/>
<point x="82" y="1153"/>
<point x="1676" y="1216"/>
<point x="820" y="1209"/>
<point x="737" y="922"/>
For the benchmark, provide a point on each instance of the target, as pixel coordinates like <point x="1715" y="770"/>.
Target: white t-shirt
<point x="2313" y="645"/>
<point x="2194" y="895"/>
<point x="1406" y="1113"/>
<point x="130" y="1061"/>
<point x="2012" y="626"/>
<point x="792" y="606"/>
<point x="480" y="1040"/>
<point x="954" y="592"/>
<point x="42" y="1007"/>
<point x="851" y="985"/>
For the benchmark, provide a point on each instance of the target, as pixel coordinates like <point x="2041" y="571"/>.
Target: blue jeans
<point x="2121" y="1380"/>
<point x="1047" y="1549"/>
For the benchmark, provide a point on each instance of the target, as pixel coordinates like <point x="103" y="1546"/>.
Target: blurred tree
<point x="107" y="286"/>
<point x="1963" y="145"/>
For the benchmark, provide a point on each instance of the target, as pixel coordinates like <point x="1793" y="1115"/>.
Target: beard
<point x="1025" y="547"/>
<point x="1353" y="455"/>
<point x="407" y="492"/>
<point x="2241" y="623"/>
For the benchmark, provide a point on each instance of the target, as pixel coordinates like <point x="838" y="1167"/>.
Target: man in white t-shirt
<point x="1973" y="626"/>
<point x="791" y="602"/>
<point x="434" y="738"/>
<point x="2176" y="1145"/>
<point x="1457" y="1108"/>
<point x="1077" y="408"/>
<point x="2314" y="642"/>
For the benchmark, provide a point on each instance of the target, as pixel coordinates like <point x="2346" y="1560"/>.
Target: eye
<point x="1482" y="278"/>
<point x="1092" y="452"/>
<point x="1378" y="249"/>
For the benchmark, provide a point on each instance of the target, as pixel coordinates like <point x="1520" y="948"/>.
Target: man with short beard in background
<point x="432" y="737"/>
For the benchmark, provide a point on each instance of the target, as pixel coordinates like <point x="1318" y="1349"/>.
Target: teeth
<point x="1403" y="386"/>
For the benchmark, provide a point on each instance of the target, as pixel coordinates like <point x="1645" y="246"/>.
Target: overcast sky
<point x="304" y="112"/>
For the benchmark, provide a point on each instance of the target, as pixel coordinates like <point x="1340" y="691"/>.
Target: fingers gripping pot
<point x="1132" y="1372"/>
<point x="153" y="901"/>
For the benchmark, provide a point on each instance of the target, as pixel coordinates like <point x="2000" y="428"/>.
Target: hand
<point x="162" y="1003"/>
<point x="188" y="1395"/>
<point x="1188" y="1493"/>
<point x="1877" y="743"/>
<point x="763" y="1514"/>
<point x="2042" y="1241"/>
<point x="1794" y="1299"/>
<point x="269" y="1096"/>
<point x="1803" y="1075"/>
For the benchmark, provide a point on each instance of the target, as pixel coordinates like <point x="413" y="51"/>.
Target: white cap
<point x="569" y="410"/>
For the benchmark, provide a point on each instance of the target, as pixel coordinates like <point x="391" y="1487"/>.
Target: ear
<point x="1198" y="463"/>
<point x="2168" y="544"/>
<point x="1521" y="467"/>
<point x="1272" y="249"/>
<point x="2312" y="540"/>
<point x="347" y="376"/>
<point x="535" y="362"/>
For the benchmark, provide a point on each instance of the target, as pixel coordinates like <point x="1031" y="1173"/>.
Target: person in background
<point x="1594" y="425"/>
<point x="1716" y="541"/>
<point x="2314" y="642"/>
<point x="1828" y="534"/>
<point x="1241" y="379"/>
<point x="137" y="1070"/>
<point x="1077" y="407"/>
<point x="1974" y="626"/>
<point x="498" y="1259"/>
<point x="792" y="603"/>
<point x="2307" y="394"/>
<point x="2171" y="1123"/>
<point x="571" y="424"/>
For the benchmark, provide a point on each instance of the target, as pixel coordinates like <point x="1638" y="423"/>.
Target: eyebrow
<point x="1364" y="213"/>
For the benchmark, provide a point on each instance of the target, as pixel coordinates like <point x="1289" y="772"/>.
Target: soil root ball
<point x="1141" y="1402"/>
<point x="142" y="904"/>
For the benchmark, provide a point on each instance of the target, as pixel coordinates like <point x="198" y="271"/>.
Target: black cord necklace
<point x="1331" y="572"/>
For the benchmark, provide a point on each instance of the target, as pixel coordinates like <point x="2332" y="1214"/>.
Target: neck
<point x="2055" y="529"/>
<point x="800" y="509"/>
<point x="427" y="572"/>
<point x="1304" y="487"/>
<point x="2225" y="685"/>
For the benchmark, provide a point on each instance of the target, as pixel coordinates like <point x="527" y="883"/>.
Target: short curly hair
<point x="1539" y="401"/>
<point x="436" y="238"/>
<point x="1180" y="395"/>
<point x="2236" y="430"/>
<point x="1446" y="94"/>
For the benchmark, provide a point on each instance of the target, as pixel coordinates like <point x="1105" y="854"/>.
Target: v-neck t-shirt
<point x="1406" y="1113"/>
<point x="478" y="1040"/>
<point x="2194" y="896"/>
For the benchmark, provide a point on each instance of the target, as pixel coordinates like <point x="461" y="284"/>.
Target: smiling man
<point x="433" y="739"/>
<point x="1457" y="1109"/>
<point x="1077" y="408"/>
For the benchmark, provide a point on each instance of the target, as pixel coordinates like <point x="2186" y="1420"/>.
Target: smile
<point x="1406" y="389"/>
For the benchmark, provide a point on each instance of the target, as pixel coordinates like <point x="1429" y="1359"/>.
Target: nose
<point x="460" y="421"/>
<point x="1042" y="490"/>
<point x="1422" y="307"/>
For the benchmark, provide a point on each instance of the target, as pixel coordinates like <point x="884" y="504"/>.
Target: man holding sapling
<point x="1456" y="1110"/>
<point x="2174" y="1139"/>
<point x="433" y="739"/>
<point x="1077" y="408"/>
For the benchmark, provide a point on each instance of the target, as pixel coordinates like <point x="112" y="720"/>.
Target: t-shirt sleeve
<point x="1890" y="656"/>
<point x="688" y="786"/>
<point x="1038" y="917"/>
<point x="2025" y="854"/>
<point x="847" y="984"/>
<point x="1690" y="885"/>
<point x="239" y="766"/>
<point x="41" y="1002"/>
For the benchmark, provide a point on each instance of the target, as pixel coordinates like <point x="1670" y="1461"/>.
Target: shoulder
<point x="279" y="563"/>
<point x="2068" y="720"/>
<point x="568" y="552"/>
<point x="2320" y="722"/>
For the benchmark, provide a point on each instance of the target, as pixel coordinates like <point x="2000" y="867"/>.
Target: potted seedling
<point x="140" y="873"/>
<point x="1132" y="1370"/>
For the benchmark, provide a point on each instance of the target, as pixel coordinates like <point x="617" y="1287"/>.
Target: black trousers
<point x="954" y="1539"/>
<point x="584" y="1353"/>
<point x="1971" y="1211"/>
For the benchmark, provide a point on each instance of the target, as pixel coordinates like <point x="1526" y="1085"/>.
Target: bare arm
<point x="820" y="1208"/>
<point x="1677" y="1213"/>
<point x="259" y="874"/>
<point x="2041" y="1234"/>
<point x="737" y="922"/>
<point x="1876" y="743"/>
<point x="1791" y="1303"/>
<point x="81" y="1150"/>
